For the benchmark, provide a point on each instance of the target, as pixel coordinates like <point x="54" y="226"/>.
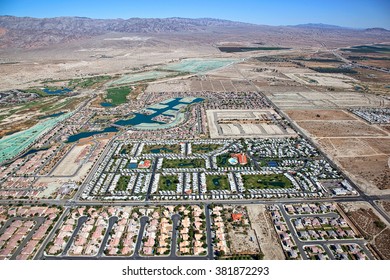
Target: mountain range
<point x="27" y="32"/>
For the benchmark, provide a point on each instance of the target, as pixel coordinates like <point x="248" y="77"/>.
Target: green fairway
<point x="88" y="82"/>
<point x="118" y="95"/>
<point x="204" y="148"/>
<point x="274" y="181"/>
<point x="217" y="182"/>
<point x="168" y="183"/>
<point x="183" y="163"/>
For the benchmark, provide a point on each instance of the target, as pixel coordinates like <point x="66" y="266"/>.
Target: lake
<point x="106" y="104"/>
<point x="57" y="91"/>
<point x="52" y="115"/>
<point x="139" y="119"/>
<point x="86" y="134"/>
<point x="164" y="107"/>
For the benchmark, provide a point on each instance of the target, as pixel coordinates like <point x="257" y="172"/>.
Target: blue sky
<point x="350" y="13"/>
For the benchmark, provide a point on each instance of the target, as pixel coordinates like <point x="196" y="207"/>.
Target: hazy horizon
<point x="351" y="14"/>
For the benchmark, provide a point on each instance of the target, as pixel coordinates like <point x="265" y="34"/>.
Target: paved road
<point x="73" y="203"/>
<point x="143" y="222"/>
<point x="175" y="223"/>
<point x="80" y="223"/>
<point x="111" y="222"/>
<point x="154" y="168"/>
<point x="210" y="250"/>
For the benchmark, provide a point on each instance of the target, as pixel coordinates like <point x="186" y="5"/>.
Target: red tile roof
<point x="236" y="216"/>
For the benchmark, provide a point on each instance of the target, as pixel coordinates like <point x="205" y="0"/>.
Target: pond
<point x="106" y="104"/>
<point x="161" y="150"/>
<point x="216" y="182"/>
<point x="51" y="116"/>
<point x="33" y="151"/>
<point x="86" y="134"/>
<point x="56" y="91"/>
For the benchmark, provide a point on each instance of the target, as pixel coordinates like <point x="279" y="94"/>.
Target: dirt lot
<point x="366" y="220"/>
<point x="381" y="145"/>
<point x="70" y="164"/>
<point x="346" y="147"/>
<point x="386" y="205"/>
<point x="382" y="243"/>
<point x="339" y="128"/>
<point x="243" y="242"/>
<point x="319" y="115"/>
<point x="262" y="225"/>
<point x="366" y="160"/>
<point x="386" y="127"/>
<point x="375" y="229"/>
<point x="369" y="171"/>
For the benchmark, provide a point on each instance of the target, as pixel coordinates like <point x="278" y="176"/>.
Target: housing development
<point x="225" y="150"/>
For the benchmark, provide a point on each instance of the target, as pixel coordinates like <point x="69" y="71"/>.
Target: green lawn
<point x="217" y="182"/>
<point x="161" y="149"/>
<point x="168" y="183"/>
<point x="122" y="183"/>
<point x="222" y="160"/>
<point x="117" y="95"/>
<point x="204" y="148"/>
<point x="184" y="163"/>
<point x="274" y="181"/>
<point x="126" y="149"/>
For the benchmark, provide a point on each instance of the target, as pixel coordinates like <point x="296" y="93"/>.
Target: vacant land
<point x="374" y="228"/>
<point x="266" y="235"/>
<point x="346" y="147"/>
<point x="292" y="98"/>
<point x="72" y="161"/>
<point x="361" y="149"/>
<point x="340" y="128"/>
<point x="385" y="205"/>
<point x="368" y="171"/>
<point x="303" y="115"/>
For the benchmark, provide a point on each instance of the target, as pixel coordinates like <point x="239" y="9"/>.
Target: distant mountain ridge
<point x="331" y="26"/>
<point x="321" y="25"/>
<point x="27" y="32"/>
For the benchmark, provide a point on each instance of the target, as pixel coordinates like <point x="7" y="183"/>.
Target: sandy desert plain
<point x="318" y="88"/>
